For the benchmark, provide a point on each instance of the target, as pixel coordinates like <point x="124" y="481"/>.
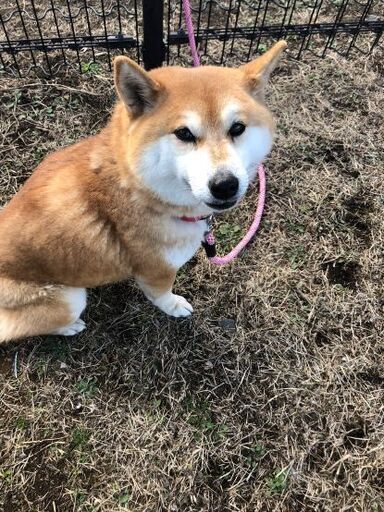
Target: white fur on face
<point x="192" y="120"/>
<point x="230" y="114"/>
<point x="179" y="172"/>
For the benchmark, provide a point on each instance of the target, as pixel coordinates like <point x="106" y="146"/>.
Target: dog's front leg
<point x="158" y="289"/>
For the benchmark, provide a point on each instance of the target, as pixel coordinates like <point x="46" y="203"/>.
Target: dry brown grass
<point x="271" y="397"/>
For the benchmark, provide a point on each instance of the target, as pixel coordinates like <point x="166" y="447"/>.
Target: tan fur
<point x="84" y="218"/>
<point x="30" y="309"/>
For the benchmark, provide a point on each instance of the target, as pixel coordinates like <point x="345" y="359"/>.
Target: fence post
<point x="153" y="44"/>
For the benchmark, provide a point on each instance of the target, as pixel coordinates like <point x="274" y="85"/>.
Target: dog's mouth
<point x="222" y="206"/>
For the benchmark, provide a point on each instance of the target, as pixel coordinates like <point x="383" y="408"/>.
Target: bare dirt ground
<point x="271" y="397"/>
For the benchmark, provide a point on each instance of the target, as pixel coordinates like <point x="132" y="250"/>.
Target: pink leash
<point x="209" y="238"/>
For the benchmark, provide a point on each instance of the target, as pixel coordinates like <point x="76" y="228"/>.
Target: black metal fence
<point x="45" y="35"/>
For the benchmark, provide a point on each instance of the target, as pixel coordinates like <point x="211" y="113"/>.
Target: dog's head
<point x="196" y="136"/>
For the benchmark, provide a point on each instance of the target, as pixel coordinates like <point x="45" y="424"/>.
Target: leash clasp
<point x="209" y="242"/>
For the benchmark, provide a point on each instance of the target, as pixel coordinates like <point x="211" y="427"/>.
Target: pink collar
<point x="193" y="219"/>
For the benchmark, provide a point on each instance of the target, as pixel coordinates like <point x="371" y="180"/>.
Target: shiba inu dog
<point x="132" y="200"/>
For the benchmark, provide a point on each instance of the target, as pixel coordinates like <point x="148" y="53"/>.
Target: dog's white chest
<point x="188" y="238"/>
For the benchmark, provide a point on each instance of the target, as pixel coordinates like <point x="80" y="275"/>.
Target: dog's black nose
<point x="223" y="185"/>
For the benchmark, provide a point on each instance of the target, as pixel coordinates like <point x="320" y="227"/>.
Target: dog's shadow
<point x="170" y="374"/>
<point x="131" y="347"/>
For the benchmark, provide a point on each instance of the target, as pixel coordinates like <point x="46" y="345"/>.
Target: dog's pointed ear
<point x="257" y="72"/>
<point x="134" y="86"/>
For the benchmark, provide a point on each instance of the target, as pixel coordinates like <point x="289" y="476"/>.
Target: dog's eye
<point x="236" y="129"/>
<point x="185" y="135"/>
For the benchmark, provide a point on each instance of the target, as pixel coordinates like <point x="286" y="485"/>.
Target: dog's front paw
<point x="173" y="305"/>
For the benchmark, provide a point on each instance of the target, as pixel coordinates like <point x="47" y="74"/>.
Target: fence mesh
<point x="46" y="35"/>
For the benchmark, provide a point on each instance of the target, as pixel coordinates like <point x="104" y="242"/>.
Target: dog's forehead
<point x="206" y="98"/>
<point x="208" y="92"/>
<point x="196" y="79"/>
<point x="201" y="98"/>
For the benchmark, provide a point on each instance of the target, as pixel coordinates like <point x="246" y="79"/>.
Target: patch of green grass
<point x="221" y="431"/>
<point x="313" y="77"/>
<point x="294" y="227"/>
<point x="21" y="423"/>
<point x="6" y="476"/>
<point x="202" y="420"/>
<point x="156" y="403"/>
<point x="12" y="104"/>
<point x="84" y="458"/>
<point x="278" y="482"/>
<point x="297" y="319"/>
<point x="90" y="68"/>
<point x="254" y="454"/>
<point x="262" y="48"/>
<point x="49" y="112"/>
<point x="80" y="497"/>
<point x="123" y="498"/>
<point x="41" y="369"/>
<point x="339" y="288"/>
<point x="154" y="413"/>
<point x="39" y="154"/>
<point x="227" y="235"/>
<point x="80" y="438"/>
<point x="87" y="387"/>
<point x="297" y="256"/>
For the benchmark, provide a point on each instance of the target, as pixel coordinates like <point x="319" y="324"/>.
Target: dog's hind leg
<point x="32" y="310"/>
